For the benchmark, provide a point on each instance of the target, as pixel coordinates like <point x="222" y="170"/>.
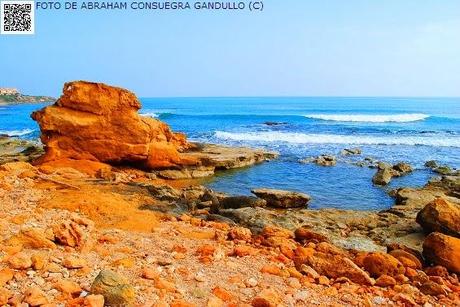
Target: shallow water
<point x="390" y="129"/>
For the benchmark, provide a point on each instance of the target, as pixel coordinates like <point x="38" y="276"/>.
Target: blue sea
<point x="413" y="130"/>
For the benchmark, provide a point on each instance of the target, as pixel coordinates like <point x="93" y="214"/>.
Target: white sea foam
<point x="395" y="118"/>
<point x="302" y="138"/>
<point x="16" y="132"/>
<point x="150" y="114"/>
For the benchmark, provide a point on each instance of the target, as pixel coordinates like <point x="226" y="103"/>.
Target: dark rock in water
<point x="382" y="177"/>
<point x="323" y="160"/>
<point x="443" y="170"/>
<point x="431" y="164"/>
<point x="386" y="172"/>
<point x="326" y="160"/>
<point x="351" y="151"/>
<point x="274" y="123"/>
<point x="440" y="216"/>
<point x="403" y="168"/>
<point x="282" y="199"/>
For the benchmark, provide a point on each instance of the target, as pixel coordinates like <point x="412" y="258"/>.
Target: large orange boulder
<point x="378" y="264"/>
<point x="94" y="121"/>
<point x="442" y="216"/>
<point x="443" y="250"/>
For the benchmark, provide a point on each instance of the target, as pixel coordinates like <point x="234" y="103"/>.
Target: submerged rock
<point x="403" y="168"/>
<point x="326" y="160"/>
<point x="440" y="249"/>
<point x="440" y="216"/>
<point x="351" y="151"/>
<point x="431" y="164"/>
<point x="323" y="160"/>
<point x="282" y="199"/>
<point x="385" y="172"/>
<point x="382" y="176"/>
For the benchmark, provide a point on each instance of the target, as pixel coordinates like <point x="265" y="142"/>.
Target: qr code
<point x="17" y="17"/>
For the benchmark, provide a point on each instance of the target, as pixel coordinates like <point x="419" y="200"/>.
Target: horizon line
<point x="299" y="96"/>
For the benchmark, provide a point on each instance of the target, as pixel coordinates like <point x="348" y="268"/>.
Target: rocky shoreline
<point x="119" y="218"/>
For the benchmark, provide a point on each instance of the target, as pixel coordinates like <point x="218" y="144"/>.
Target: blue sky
<point x="293" y="48"/>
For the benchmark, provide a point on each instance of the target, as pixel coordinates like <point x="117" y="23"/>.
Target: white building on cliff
<point x="8" y="91"/>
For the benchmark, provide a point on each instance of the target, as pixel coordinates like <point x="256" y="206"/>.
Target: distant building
<point x="8" y="91"/>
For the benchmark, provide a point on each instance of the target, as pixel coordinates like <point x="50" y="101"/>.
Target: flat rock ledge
<point x="282" y="199"/>
<point x="216" y="157"/>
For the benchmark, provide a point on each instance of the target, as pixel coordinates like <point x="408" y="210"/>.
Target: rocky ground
<point x="115" y="215"/>
<point x="61" y="229"/>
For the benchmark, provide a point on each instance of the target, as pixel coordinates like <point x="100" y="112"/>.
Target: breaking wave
<point x="395" y="118"/>
<point x="302" y="138"/>
<point x="150" y="114"/>
<point x="17" y="132"/>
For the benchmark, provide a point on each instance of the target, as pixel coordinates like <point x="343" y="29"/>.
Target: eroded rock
<point x="282" y="199"/>
<point x="441" y="216"/>
<point x="440" y="249"/>
<point x="84" y="124"/>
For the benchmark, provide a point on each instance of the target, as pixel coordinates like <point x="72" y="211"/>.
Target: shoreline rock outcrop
<point x="94" y="121"/>
<point x="98" y="122"/>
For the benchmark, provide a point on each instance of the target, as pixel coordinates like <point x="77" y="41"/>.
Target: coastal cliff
<point x="13" y="96"/>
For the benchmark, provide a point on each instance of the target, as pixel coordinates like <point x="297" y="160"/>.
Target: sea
<point x="392" y="130"/>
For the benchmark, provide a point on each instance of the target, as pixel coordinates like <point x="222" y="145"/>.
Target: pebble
<point x="200" y="276"/>
<point x="251" y="282"/>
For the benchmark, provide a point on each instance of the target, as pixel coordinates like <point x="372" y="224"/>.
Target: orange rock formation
<point x="97" y="122"/>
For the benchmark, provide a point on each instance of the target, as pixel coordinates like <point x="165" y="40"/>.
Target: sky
<point x="292" y="48"/>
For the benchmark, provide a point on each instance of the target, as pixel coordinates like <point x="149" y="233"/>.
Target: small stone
<point x="385" y="281"/>
<point x="200" y="276"/>
<point x="271" y="269"/>
<point x="38" y="261"/>
<point x="251" y="282"/>
<point x="149" y="273"/>
<point x="163" y="284"/>
<point x="432" y="288"/>
<point x="20" y="261"/>
<point x="243" y="250"/>
<point x="266" y="298"/>
<point x="53" y="267"/>
<point x="293" y="283"/>
<point x="215" y="302"/>
<point x="5" y="276"/>
<point x="4" y="296"/>
<point x="222" y="294"/>
<point x="240" y="233"/>
<point x="35" y="297"/>
<point x="94" y="301"/>
<point x="74" y="262"/>
<point x="323" y="280"/>
<point x="309" y="271"/>
<point x="68" y="287"/>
